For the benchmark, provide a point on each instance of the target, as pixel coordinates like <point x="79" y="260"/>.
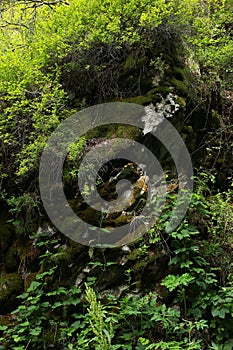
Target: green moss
<point x="121" y="220"/>
<point x="140" y="265"/>
<point x="179" y="73"/>
<point x="142" y="61"/>
<point x="151" y="96"/>
<point x="4" y="321"/>
<point x="68" y="253"/>
<point x="159" y="90"/>
<point x="137" y="253"/>
<point x="113" y="130"/>
<point x="214" y="121"/>
<point x="50" y="337"/>
<point x="11" y="285"/>
<point x="188" y="129"/>
<point x="123" y="131"/>
<point x="6" y="236"/>
<point x="181" y="87"/>
<point x="11" y="260"/>
<point x="140" y="100"/>
<point x="169" y="60"/>
<point x="181" y="101"/>
<point x="129" y="63"/>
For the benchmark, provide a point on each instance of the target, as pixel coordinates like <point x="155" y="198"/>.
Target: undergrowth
<point x="197" y="314"/>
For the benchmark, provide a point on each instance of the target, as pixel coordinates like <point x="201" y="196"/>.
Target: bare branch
<point x="25" y="5"/>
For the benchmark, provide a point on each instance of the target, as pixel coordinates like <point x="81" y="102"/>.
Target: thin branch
<point x="13" y="24"/>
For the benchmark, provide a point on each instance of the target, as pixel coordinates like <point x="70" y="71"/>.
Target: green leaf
<point x="36" y="331"/>
<point x="33" y="286"/>
<point x="71" y="301"/>
<point x="57" y="304"/>
<point x="58" y="291"/>
<point x="228" y="345"/>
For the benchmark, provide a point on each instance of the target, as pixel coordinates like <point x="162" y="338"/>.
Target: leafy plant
<point x="103" y="332"/>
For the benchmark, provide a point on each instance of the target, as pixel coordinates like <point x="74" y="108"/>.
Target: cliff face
<point x="170" y="90"/>
<point x="171" y="278"/>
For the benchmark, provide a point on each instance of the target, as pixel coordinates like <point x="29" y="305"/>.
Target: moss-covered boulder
<point x="7" y="235"/>
<point x="11" y="285"/>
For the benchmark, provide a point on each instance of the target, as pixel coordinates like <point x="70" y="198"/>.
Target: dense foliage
<point x="58" y="57"/>
<point x="198" y="315"/>
<point x="43" y="44"/>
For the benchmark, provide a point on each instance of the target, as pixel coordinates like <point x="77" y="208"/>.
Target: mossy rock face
<point x="122" y="220"/>
<point x="181" y="101"/>
<point x="188" y="129"/>
<point x="169" y="60"/>
<point x="109" y="277"/>
<point x="93" y="217"/>
<point x="5" y="320"/>
<point x="71" y="259"/>
<point x="11" y="285"/>
<point x="103" y="132"/>
<point x="162" y="292"/>
<point x="136" y="253"/>
<point x="29" y="279"/>
<point x="151" y="96"/>
<point x="181" y="87"/>
<point x="123" y="131"/>
<point x="129" y="63"/>
<point x="11" y="260"/>
<point x="140" y="100"/>
<point x="7" y="235"/>
<point x="214" y="121"/>
<point x="180" y="73"/>
<point x="148" y="266"/>
<point x="155" y="271"/>
<point x="198" y="117"/>
<point x="69" y="253"/>
<point x="159" y="90"/>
